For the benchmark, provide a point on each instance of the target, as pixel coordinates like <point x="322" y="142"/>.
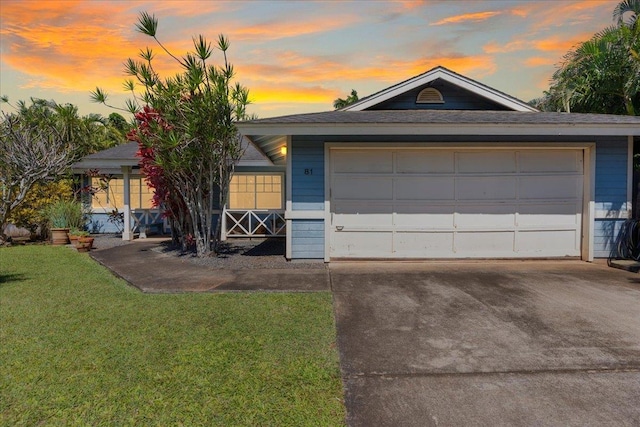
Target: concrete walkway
<point x="150" y="270"/>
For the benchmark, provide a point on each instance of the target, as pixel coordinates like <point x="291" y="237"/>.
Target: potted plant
<point x="57" y="220"/>
<point x="74" y="233"/>
<point x="85" y="242"/>
<point x="62" y="215"/>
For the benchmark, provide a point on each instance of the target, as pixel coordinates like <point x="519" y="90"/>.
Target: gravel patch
<point x="235" y="254"/>
<point x="246" y="254"/>
<point x="107" y="241"/>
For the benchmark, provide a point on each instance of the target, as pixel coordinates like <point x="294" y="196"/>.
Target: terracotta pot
<point x="73" y="238"/>
<point x="59" y="236"/>
<point x="84" y="244"/>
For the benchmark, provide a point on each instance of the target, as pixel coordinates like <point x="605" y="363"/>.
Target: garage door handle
<point x="339" y="227"/>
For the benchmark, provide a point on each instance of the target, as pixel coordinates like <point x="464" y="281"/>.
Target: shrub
<point x="31" y="213"/>
<point x="66" y="214"/>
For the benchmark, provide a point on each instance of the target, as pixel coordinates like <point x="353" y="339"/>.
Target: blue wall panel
<point x="99" y="223"/>
<point x="307" y="164"/>
<point x="611" y="190"/>
<point x="307" y="238"/>
<point x="611" y="173"/>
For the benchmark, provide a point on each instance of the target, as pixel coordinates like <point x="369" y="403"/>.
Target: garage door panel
<point x="358" y="161"/>
<point x="550" y="187"/>
<point x="424" y="188"/>
<point x="486" y="215"/>
<point x="362" y="188"/>
<point x="421" y="161"/>
<point x="413" y="245"/>
<point x="486" y="162"/>
<point x="358" y="214"/>
<point x="483" y="244"/>
<point x="486" y="188"/>
<point x="548" y="243"/>
<point x="549" y="214"/>
<point x="551" y="161"/>
<point x="424" y="215"/>
<point x="361" y="244"/>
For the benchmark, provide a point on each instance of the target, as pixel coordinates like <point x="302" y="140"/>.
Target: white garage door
<point x="435" y="203"/>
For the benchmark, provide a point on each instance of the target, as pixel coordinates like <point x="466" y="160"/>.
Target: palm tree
<point x="632" y="7"/>
<point x="602" y="75"/>
<point x="341" y="103"/>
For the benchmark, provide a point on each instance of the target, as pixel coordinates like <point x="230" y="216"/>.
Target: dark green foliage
<point x="601" y="75"/>
<point x="351" y="99"/>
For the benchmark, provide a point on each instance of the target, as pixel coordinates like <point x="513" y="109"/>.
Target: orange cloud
<point x="539" y="61"/>
<point x="493" y="47"/>
<point x="275" y="30"/>
<point x="411" y="4"/>
<point x="549" y="44"/>
<point x="290" y="66"/>
<point x="523" y="13"/>
<point x="78" y="51"/>
<point x="565" y="13"/>
<point x="472" y="17"/>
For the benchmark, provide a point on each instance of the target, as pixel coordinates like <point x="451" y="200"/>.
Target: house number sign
<point x="308" y="171"/>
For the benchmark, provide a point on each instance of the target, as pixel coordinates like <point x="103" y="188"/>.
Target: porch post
<point x="223" y="224"/>
<point x="126" y="232"/>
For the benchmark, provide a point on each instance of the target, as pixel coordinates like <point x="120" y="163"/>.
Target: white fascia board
<point x="477" y="88"/>
<point x="443" y="129"/>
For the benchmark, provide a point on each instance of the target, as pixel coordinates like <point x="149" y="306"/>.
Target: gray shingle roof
<point x="123" y="151"/>
<point x="454" y="117"/>
<point x="128" y="152"/>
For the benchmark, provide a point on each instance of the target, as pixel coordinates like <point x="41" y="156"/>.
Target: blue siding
<point x="611" y="190"/>
<point x="307" y="238"/>
<point x="98" y="223"/>
<point x="611" y="174"/>
<point x="455" y="98"/>
<point x="307" y="164"/>
<point x="605" y="234"/>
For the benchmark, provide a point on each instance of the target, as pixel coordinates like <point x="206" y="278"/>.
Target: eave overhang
<point x="266" y="132"/>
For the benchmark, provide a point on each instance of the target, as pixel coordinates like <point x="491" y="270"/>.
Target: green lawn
<point x="80" y="347"/>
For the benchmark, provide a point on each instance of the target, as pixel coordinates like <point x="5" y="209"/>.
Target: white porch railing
<point x="253" y="223"/>
<point x="142" y="219"/>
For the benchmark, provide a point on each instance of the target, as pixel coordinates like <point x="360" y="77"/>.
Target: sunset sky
<point x="294" y="56"/>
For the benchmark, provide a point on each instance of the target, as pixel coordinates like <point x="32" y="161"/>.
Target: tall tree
<point x="186" y="128"/>
<point x="34" y="146"/>
<point x="601" y="75"/>
<point x="351" y="99"/>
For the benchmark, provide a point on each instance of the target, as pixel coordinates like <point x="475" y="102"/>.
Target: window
<point x="255" y="191"/>
<point x="111" y="194"/>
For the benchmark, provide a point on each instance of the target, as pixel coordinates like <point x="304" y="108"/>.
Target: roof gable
<point x="453" y="97"/>
<point x="479" y="94"/>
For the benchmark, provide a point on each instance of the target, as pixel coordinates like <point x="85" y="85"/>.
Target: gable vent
<point x="430" y="96"/>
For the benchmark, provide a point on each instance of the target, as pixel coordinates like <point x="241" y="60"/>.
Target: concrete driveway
<point x="488" y="343"/>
